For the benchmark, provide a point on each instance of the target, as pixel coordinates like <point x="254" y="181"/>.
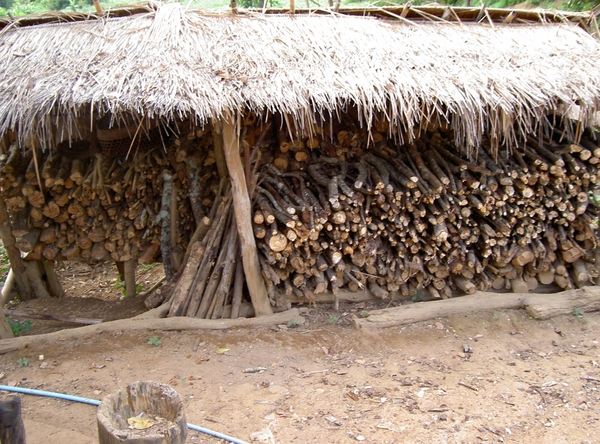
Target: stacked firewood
<point x="339" y="208"/>
<point x="76" y="203"/>
<point x="345" y="209"/>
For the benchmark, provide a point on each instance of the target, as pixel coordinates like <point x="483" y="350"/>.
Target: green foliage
<point x="332" y="319"/>
<point x="57" y="5"/>
<point x="418" y="297"/>
<point x="594" y="198"/>
<point x="25" y="7"/>
<point x="260" y="3"/>
<point x="293" y="323"/>
<point x="120" y="285"/>
<point x="18" y="327"/>
<point x="577" y="312"/>
<point x="364" y="314"/>
<point x="581" y="5"/>
<point x="154" y="341"/>
<point x="148" y="267"/>
<point x="22" y="362"/>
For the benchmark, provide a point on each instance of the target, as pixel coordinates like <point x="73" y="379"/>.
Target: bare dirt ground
<point x="486" y="377"/>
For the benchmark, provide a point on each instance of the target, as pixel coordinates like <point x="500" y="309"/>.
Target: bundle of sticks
<point x="339" y="210"/>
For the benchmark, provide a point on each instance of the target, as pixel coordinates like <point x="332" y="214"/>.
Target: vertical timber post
<point x="242" y="209"/>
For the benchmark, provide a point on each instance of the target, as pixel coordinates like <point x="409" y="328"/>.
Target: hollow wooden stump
<point x="12" y="430"/>
<point x="147" y="400"/>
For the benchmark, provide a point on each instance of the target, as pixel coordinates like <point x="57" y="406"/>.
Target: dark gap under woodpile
<point x="339" y="208"/>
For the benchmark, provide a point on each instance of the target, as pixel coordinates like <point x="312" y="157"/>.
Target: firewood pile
<point x="337" y="211"/>
<point x="88" y="206"/>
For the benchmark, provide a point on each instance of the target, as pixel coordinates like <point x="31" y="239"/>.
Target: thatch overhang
<point x="483" y="78"/>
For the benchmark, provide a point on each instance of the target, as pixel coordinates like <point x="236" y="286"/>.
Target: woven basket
<point x="117" y="141"/>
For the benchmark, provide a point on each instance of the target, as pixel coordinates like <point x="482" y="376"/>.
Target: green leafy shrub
<point x="18" y="327"/>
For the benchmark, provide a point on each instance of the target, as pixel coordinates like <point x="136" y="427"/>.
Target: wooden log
<point x="52" y="317"/>
<point x="546" y="277"/>
<point x="377" y="291"/>
<point x="580" y="273"/>
<point x="238" y="288"/>
<point x="465" y="285"/>
<point x="546" y="306"/>
<point x="14" y="256"/>
<point x="12" y="430"/>
<point x="242" y="207"/>
<point x="227" y="276"/>
<point x="26" y="241"/>
<point x="148" y="321"/>
<point x="179" y="296"/>
<point x="118" y="412"/>
<point x="519" y="286"/>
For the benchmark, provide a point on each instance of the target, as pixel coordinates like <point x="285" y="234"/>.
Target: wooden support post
<point x="12" y="430"/>
<point x="243" y="216"/>
<point x="218" y="147"/>
<point x="129" y="275"/>
<point x="98" y="7"/>
<point x="164" y="217"/>
<point x="9" y="284"/>
<point x="14" y="255"/>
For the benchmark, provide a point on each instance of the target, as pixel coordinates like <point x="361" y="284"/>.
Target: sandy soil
<point x="486" y="377"/>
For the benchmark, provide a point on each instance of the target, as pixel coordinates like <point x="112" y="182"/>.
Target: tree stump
<point x="156" y="409"/>
<point x="12" y="430"/>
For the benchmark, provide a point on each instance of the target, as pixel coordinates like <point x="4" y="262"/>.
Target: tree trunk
<point x="129" y="271"/>
<point x="243" y="216"/>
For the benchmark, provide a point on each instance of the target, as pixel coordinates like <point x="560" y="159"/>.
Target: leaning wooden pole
<point x="243" y="209"/>
<point x="14" y="255"/>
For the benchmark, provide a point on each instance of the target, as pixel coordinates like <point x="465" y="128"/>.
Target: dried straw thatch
<point x="502" y="79"/>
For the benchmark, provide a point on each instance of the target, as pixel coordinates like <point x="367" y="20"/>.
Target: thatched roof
<point x="168" y="62"/>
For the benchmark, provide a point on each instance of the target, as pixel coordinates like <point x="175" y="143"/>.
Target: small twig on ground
<point x="307" y="374"/>
<point x="539" y="390"/>
<point x="492" y="430"/>
<point x="475" y="389"/>
<point x="254" y="370"/>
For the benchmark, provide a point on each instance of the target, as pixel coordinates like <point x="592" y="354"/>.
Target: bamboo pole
<point x="243" y="216"/>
